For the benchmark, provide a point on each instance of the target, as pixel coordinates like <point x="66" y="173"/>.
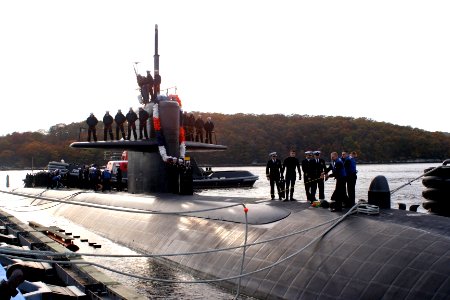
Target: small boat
<point x="225" y="179"/>
<point x="207" y="179"/>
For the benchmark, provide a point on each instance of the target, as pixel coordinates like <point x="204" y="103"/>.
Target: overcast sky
<point x="383" y="60"/>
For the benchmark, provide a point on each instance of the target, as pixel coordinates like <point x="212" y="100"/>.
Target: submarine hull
<point x="363" y="257"/>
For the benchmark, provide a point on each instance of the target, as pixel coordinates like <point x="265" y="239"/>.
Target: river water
<point x="396" y="174"/>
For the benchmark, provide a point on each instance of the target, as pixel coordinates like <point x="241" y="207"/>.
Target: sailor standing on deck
<point x="319" y="169"/>
<point x="107" y="126"/>
<point x="156" y="87"/>
<point x="350" y="170"/>
<point x="143" y="117"/>
<point x="290" y="164"/>
<point x="131" y="119"/>
<point x="209" y="128"/>
<point x="190" y="125"/>
<point x="92" y="122"/>
<point x="338" y="172"/>
<point x="120" y="120"/>
<point x="146" y="86"/>
<point x="199" y="126"/>
<point x="308" y="172"/>
<point x="273" y="173"/>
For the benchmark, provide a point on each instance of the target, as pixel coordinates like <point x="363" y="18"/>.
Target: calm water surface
<point x="396" y="175"/>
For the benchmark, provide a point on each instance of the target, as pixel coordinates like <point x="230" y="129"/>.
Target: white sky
<point x="384" y="60"/>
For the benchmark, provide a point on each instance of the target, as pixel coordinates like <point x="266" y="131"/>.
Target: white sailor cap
<point x="316" y="152"/>
<point x="273" y="154"/>
<point x="308" y="152"/>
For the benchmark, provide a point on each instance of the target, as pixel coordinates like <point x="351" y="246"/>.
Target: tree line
<point x="249" y="138"/>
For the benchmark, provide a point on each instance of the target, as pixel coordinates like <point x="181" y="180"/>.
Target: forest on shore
<point x="249" y="139"/>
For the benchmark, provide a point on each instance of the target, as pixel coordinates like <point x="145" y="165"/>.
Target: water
<point x="396" y="175"/>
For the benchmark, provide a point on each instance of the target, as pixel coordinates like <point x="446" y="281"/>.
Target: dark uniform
<point x="92" y="122"/>
<point x="290" y="164"/>
<point x="350" y="170"/>
<point x="120" y="120"/>
<point x="156" y="86"/>
<point x="107" y="126"/>
<point x="143" y="117"/>
<point x="319" y="168"/>
<point x="131" y="119"/>
<point x="199" y="126"/>
<point x="185" y="121"/>
<point x="308" y="167"/>
<point x="119" y="179"/>
<point x="209" y="128"/>
<point x="146" y="86"/>
<point x="190" y="125"/>
<point x="338" y="172"/>
<point x="273" y="173"/>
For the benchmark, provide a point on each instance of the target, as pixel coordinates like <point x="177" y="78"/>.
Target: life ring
<point x="441" y="171"/>
<point x="436" y="182"/>
<point x="436" y="194"/>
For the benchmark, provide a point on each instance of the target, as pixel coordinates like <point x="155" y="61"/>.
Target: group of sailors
<point x="119" y="119"/>
<point x="196" y="129"/>
<point x="89" y="177"/>
<point x="149" y="86"/>
<point x="315" y="171"/>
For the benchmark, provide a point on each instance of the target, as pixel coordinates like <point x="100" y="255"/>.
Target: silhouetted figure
<point x="319" y="169"/>
<point x="92" y="122"/>
<point x="8" y="287"/>
<point x="146" y="86"/>
<point x="119" y="177"/>
<point x="157" y="85"/>
<point x="150" y="82"/>
<point x="131" y="119"/>
<point x="190" y="125"/>
<point x="308" y="167"/>
<point x="185" y="122"/>
<point x="94" y="177"/>
<point x="120" y="120"/>
<point x="291" y="164"/>
<point x="143" y="117"/>
<point x="273" y="173"/>
<point x="199" y="126"/>
<point x="350" y="170"/>
<point x="107" y="126"/>
<point x="106" y="180"/>
<point x="338" y="172"/>
<point x="209" y="129"/>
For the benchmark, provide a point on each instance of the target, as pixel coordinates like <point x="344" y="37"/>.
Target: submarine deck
<point x="396" y="254"/>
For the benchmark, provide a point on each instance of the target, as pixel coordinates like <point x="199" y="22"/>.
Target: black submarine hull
<point x="395" y="254"/>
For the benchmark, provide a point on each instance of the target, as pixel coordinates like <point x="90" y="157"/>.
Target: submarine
<point x="261" y="249"/>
